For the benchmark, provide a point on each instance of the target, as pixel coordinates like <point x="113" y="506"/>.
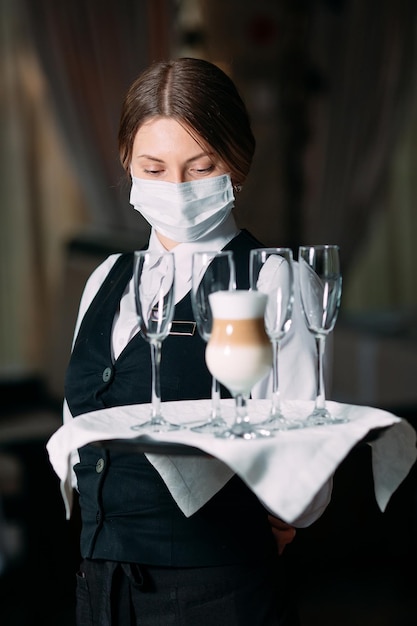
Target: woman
<point x="184" y="132"/>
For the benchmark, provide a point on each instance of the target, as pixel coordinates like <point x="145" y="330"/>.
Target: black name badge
<point x="182" y="328"/>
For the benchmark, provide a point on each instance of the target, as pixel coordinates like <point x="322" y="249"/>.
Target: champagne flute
<point x="271" y="271"/>
<point x="211" y="272"/>
<point x="154" y="275"/>
<point x="320" y="290"/>
<point x="239" y="353"/>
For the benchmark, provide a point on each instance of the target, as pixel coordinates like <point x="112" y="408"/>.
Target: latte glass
<point x="239" y="352"/>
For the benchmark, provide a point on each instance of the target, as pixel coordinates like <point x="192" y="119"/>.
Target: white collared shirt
<point x="126" y="324"/>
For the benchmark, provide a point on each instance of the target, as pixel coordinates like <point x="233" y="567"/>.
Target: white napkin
<point x="285" y="471"/>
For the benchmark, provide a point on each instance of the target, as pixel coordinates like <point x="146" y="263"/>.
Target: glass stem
<point x="215" y="398"/>
<point x="241" y="404"/>
<point x="276" y="399"/>
<point x="156" y="382"/>
<point x="320" y="396"/>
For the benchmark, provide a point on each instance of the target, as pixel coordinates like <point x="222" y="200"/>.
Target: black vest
<point x="127" y="511"/>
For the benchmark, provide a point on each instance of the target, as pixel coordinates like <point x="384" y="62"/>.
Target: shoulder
<point x="93" y="284"/>
<point x="98" y="276"/>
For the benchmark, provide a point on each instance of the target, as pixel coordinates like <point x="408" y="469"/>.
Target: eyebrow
<point x="194" y="158"/>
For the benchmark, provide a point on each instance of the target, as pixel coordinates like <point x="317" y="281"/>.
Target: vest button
<point x="100" y="466"/>
<point x="107" y="374"/>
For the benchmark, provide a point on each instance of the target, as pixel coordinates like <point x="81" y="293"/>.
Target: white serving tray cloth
<point x="285" y="471"/>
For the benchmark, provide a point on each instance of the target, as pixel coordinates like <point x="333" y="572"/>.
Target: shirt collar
<point x="213" y="242"/>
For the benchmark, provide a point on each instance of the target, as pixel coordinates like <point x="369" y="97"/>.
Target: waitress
<point x="186" y="144"/>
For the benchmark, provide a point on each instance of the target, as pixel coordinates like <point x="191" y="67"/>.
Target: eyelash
<point x="152" y="171"/>
<point x="205" y="170"/>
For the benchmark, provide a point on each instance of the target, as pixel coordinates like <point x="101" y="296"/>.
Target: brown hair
<point x="201" y="97"/>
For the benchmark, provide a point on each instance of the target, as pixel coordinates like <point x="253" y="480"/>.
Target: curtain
<point x="362" y="56"/>
<point x="64" y="69"/>
<point x="30" y="225"/>
<point x="329" y="87"/>
<point x="91" y="51"/>
<point x="383" y="277"/>
<point x="344" y="71"/>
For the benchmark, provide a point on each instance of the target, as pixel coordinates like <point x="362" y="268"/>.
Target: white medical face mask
<point x="183" y="212"/>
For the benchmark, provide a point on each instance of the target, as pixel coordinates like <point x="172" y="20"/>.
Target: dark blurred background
<point x="331" y="89"/>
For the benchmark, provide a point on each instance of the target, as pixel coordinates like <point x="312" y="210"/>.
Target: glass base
<point x="244" y="430"/>
<point x="213" y="426"/>
<point x="279" y="422"/>
<point x="157" y="425"/>
<point x="322" y="417"/>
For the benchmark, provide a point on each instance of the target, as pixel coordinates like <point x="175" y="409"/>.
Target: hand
<point x="283" y="532"/>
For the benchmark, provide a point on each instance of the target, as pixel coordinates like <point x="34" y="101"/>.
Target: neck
<point x="168" y="244"/>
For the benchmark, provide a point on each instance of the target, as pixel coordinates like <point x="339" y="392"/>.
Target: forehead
<point x="167" y="135"/>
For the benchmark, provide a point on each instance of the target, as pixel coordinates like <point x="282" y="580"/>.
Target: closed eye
<point x="205" y="170"/>
<point x="152" y="172"/>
